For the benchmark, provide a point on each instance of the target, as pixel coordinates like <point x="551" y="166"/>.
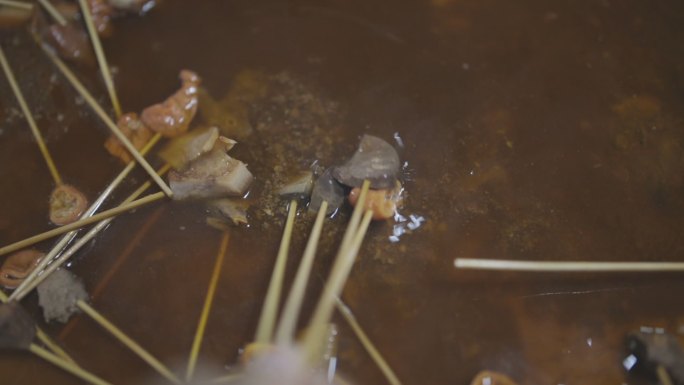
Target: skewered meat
<point x="653" y="348"/>
<point x="18" y="266"/>
<point x="134" y="129"/>
<point x="189" y="146"/>
<point x="298" y="187"/>
<point x="17" y="329"/>
<point x="70" y="41"/>
<point x="58" y="295"/>
<point x="327" y="189"/>
<point x="172" y="117"/>
<point x="375" y="160"/>
<point x="383" y="203"/>
<point x="66" y="204"/>
<point x="214" y="174"/>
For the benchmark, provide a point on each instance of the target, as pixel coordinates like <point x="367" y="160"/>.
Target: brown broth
<point x="533" y="131"/>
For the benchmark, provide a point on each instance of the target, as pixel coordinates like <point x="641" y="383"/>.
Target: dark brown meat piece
<point x="172" y="117"/>
<point x="134" y="129"/>
<point x="66" y="204"/>
<point x="214" y="174"/>
<point x="70" y="42"/>
<point x="18" y="266"/>
<point x="17" y="328"/>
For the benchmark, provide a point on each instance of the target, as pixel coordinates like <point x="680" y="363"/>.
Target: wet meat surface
<point x="375" y="160"/>
<point x="173" y="116"/>
<point x="214" y="174"/>
<point x="383" y="203"/>
<point x="18" y="266"/>
<point x="134" y="129"/>
<point x="66" y="204"/>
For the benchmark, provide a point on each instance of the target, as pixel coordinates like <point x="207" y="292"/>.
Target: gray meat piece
<point x="327" y="189"/>
<point x="16" y="327"/>
<point x="214" y="174"/>
<point x="375" y="160"/>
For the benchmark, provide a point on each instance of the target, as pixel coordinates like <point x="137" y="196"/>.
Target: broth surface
<point x="532" y="130"/>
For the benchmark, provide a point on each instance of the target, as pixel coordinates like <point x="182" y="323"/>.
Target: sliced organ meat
<point x="66" y="204"/>
<point x="383" y="203"/>
<point x="375" y="160"/>
<point x="189" y="146"/>
<point x="214" y="174"/>
<point x="18" y="266"/>
<point x="173" y="116"/>
<point x="134" y="129"/>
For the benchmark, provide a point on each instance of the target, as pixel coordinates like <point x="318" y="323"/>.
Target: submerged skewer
<point x="101" y="58"/>
<point x="17" y="4"/>
<point x="59" y="246"/>
<point x="66" y="365"/>
<point x="44" y="338"/>
<point x="197" y="342"/>
<point x="559" y="266"/>
<point x="80" y="88"/>
<point x="293" y="304"/>
<point x="29" y="118"/>
<point x="82" y="222"/>
<point x="384" y="367"/>
<point x="129" y="342"/>
<point x="18" y="332"/>
<point x="338" y="276"/>
<point x="54" y="13"/>
<point x="18" y="295"/>
<point x="264" y="332"/>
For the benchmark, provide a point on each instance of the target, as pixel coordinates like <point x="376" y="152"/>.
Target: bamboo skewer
<point x="59" y="246"/>
<point x="130" y="343"/>
<point x="18" y="295"/>
<point x="197" y="342"/>
<point x="17" y="4"/>
<point x="264" y="332"/>
<point x="366" y="342"/>
<point x="293" y="304"/>
<point x="101" y="58"/>
<point x="333" y="287"/>
<point x="82" y="222"/>
<point x="228" y="378"/>
<point x="663" y="376"/>
<point x="29" y="118"/>
<point x="108" y="121"/>
<point x="66" y="365"/>
<point x="356" y="216"/>
<point x="344" y="261"/>
<point x="558" y="266"/>
<point x="44" y="338"/>
<point x="54" y="13"/>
